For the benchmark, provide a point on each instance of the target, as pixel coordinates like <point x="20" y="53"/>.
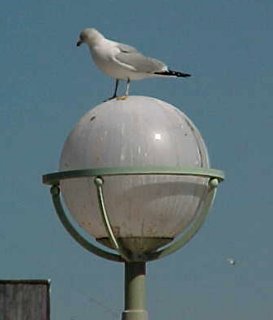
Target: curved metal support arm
<point x="107" y="224"/>
<point x="193" y="228"/>
<point x="55" y="192"/>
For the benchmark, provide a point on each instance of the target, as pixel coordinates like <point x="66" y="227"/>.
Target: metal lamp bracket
<point x="53" y="179"/>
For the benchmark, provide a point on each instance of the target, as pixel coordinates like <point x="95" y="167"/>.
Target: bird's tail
<point x="173" y="73"/>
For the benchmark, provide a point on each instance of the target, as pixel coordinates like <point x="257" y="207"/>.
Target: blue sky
<point x="47" y="84"/>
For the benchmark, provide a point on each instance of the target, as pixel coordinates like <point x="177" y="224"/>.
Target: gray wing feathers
<point x="125" y="48"/>
<point x="140" y="63"/>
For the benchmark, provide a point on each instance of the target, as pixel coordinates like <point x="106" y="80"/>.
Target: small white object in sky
<point x="231" y="261"/>
<point x="123" y="62"/>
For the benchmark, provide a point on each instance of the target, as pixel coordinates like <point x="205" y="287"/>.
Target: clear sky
<point x="47" y="84"/>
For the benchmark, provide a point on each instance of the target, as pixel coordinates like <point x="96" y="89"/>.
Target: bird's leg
<point x="115" y="91"/>
<point x="127" y="87"/>
<point x="116" y="88"/>
<point x="126" y="92"/>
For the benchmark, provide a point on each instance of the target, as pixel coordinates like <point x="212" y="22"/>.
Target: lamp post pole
<point x="135" y="291"/>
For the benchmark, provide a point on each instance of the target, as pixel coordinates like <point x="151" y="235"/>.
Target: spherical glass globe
<point x="145" y="211"/>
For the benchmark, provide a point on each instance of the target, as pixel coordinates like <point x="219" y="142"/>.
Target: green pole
<point x="135" y="299"/>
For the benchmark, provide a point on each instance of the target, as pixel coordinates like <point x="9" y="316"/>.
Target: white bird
<point x="123" y="62"/>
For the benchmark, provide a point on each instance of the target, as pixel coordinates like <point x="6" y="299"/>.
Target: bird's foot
<point x="122" y="97"/>
<point x="111" y="98"/>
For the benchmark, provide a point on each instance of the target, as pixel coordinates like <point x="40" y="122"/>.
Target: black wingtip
<point x="186" y="75"/>
<point x="179" y="74"/>
<point x="173" y="73"/>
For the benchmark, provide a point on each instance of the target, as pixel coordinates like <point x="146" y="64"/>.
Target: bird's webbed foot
<point x="122" y="97"/>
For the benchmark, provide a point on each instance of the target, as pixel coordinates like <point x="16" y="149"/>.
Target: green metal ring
<point x="55" y="177"/>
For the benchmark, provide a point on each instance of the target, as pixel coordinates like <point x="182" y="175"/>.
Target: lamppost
<point x="135" y="175"/>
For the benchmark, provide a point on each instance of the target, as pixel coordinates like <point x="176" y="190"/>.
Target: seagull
<point x="123" y="62"/>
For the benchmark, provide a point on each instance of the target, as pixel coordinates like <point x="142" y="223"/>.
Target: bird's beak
<point x="79" y="43"/>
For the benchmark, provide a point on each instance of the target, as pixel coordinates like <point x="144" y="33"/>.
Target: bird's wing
<point x="136" y="61"/>
<point x="125" y="48"/>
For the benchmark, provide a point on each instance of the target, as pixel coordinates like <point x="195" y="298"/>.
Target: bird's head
<point x="89" y="36"/>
